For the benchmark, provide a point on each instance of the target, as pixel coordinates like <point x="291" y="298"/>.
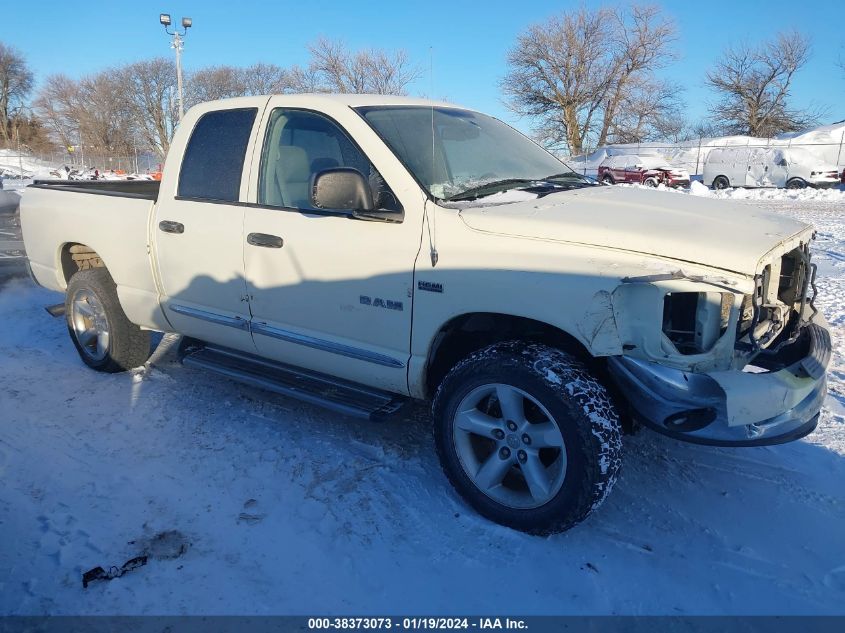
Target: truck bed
<point x="143" y="189"/>
<point x="113" y="221"/>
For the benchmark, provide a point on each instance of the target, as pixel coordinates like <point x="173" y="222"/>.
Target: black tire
<point x="608" y="179"/>
<point x="650" y="182"/>
<point x="721" y="182"/>
<point x="579" y="406"/>
<point x="128" y="345"/>
<point x="796" y="183"/>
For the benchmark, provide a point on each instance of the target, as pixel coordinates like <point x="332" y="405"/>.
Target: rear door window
<point x="214" y="158"/>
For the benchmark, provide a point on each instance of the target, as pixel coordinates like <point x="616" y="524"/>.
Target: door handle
<point x="171" y="227"/>
<point x="265" y="240"/>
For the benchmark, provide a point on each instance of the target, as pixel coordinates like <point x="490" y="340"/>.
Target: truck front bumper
<point x="752" y="407"/>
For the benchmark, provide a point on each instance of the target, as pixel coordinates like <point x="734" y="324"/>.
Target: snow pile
<point x="11" y="165"/>
<point x="835" y="195"/>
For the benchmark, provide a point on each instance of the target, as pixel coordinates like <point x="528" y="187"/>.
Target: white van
<point x="793" y="168"/>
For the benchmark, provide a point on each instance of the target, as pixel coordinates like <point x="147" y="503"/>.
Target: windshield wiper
<point x="570" y="175"/>
<point x="497" y="186"/>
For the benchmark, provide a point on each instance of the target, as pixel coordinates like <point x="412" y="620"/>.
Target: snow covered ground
<point x="285" y="508"/>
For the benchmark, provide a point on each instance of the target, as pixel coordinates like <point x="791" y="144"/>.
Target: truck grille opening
<point x="694" y="321"/>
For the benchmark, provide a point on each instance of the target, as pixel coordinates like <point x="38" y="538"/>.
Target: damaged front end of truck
<point x="725" y="359"/>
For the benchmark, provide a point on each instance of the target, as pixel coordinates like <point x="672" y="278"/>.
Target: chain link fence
<point x="28" y="165"/>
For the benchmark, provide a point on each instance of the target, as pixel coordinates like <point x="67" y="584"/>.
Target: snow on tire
<point x="527" y="436"/>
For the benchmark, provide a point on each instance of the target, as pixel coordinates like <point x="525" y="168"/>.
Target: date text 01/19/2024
<point x="416" y="623"/>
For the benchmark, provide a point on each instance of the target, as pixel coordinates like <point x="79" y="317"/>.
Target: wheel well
<point x="75" y="257"/>
<point x="468" y="333"/>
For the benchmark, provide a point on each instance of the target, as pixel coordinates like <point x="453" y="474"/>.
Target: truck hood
<point x="714" y="233"/>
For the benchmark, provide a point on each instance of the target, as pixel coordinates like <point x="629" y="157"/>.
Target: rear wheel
<point x="527" y="436"/>
<point x="796" y="183"/>
<point x="608" y="179"/>
<point x="104" y="337"/>
<point x="721" y="182"/>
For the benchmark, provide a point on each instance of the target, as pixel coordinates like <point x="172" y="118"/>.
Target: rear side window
<point x="214" y="159"/>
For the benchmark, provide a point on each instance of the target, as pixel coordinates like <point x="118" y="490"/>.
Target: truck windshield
<point x="459" y="154"/>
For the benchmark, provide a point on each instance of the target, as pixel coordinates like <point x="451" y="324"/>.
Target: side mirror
<point x="341" y="189"/>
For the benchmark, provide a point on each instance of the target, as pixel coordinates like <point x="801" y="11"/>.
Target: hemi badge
<point x="430" y="286"/>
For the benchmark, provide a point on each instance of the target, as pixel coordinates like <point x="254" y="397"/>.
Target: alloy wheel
<point x="509" y="446"/>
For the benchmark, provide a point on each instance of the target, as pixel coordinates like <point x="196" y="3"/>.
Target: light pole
<point x="176" y="45"/>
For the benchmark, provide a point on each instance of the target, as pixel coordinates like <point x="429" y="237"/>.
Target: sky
<point x="467" y="41"/>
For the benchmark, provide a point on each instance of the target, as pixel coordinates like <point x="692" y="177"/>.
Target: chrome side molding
<point x="212" y="317"/>
<point x="288" y="336"/>
<point x="326" y="346"/>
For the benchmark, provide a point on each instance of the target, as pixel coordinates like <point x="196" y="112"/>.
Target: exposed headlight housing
<point x="694" y="321"/>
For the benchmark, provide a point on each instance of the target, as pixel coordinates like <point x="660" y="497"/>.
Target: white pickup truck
<point x="360" y="251"/>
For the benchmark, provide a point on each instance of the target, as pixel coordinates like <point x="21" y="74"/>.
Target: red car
<point x="642" y="170"/>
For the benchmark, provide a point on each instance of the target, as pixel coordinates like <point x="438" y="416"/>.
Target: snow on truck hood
<point x="711" y="233"/>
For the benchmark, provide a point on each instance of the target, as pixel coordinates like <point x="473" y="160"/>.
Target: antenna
<point x="432" y="238"/>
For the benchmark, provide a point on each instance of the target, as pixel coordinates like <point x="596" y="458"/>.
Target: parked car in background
<point x="793" y="168"/>
<point x="643" y="170"/>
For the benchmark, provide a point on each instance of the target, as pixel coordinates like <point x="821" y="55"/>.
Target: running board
<point x="56" y="311"/>
<point x="332" y="393"/>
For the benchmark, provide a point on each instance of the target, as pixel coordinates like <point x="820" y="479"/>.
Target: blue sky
<point x="469" y="39"/>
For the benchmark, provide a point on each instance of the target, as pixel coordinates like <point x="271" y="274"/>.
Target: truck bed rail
<point x="144" y="189"/>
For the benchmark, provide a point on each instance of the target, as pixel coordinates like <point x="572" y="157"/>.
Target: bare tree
<point x="104" y="117"/>
<point x="265" y="79"/>
<point x="302" y="79"/>
<point x="574" y="73"/>
<point x="214" y="82"/>
<point x="91" y="111"/>
<point x="367" y="71"/>
<point x="148" y="92"/>
<point x="221" y="82"/>
<point x="58" y="104"/>
<point x="29" y="130"/>
<point x="135" y="105"/>
<point x="642" y="43"/>
<point x="649" y="110"/>
<point x="16" y="81"/>
<point x="754" y="86"/>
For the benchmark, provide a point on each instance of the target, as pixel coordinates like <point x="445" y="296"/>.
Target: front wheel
<point x="721" y="182"/>
<point x="797" y="183"/>
<point x="527" y="436"/>
<point x="104" y="337"/>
